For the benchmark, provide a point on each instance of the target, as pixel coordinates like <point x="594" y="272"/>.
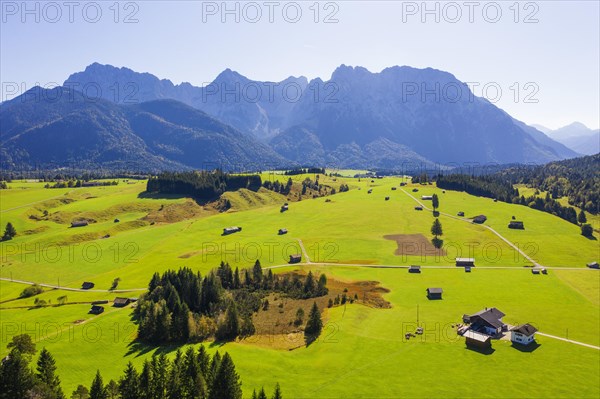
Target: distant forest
<point x="202" y="186"/>
<point x="578" y="179"/>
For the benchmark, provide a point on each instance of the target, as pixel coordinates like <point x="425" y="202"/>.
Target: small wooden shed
<point x="121" y="302"/>
<point x="282" y="232"/>
<point x="514" y="224"/>
<point x="414" y="269"/>
<point x="96" y="309"/>
<point x="79" y="223"/>
<point x="477" y="340"/>
<point x="434" y="293"/>
<point x="296" y="258"/>
<point x="231" y="230"/>
<point x="87" y="285"/>
<point x="465" y="262"/>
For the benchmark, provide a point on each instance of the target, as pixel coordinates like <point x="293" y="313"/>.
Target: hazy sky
<point x="544" y="56"/>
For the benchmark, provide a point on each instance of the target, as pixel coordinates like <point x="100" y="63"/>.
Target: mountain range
<point x="357" y="119"/>
<point x="62" y="127"/>
<point x="577" y="137"/>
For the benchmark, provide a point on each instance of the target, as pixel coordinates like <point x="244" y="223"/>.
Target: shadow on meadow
<point x="526" y="348"/>
<point x="483" y="351"/>
<point x="159" y="196"/>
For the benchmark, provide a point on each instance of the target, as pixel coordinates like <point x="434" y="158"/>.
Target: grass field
<point x="362" y="352"/>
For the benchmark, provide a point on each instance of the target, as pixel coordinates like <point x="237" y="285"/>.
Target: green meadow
<point x="362" y="351"/>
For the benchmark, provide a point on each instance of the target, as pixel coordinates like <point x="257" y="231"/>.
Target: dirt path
<point x="304" y="252"/>
<point x="57" y="287"/>
<point x="487" y="227"/>
<point x="36" y="202"/>
<point x="569" y="340"/>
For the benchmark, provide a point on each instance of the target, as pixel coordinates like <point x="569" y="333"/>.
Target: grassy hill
<point x="362" y="351"/>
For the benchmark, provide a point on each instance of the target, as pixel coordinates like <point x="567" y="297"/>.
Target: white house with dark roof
<point x="523" y="334"/>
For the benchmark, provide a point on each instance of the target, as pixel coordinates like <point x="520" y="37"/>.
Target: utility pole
<point x="417" y="315"/>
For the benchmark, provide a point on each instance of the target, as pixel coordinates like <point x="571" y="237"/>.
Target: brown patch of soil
<point x="189" y="254"/>
<point x="414" y="244"/>
<point x="278" y="319"/>
<point x="174" y="213"/>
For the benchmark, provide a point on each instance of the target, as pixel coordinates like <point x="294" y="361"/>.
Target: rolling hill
<point x="62" y="127"/>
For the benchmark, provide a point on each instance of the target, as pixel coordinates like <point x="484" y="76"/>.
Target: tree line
<point x="578" y="179"/>
<point x="500" y="188"/>
<point x="304" y="171"/>
<point x="202" y="186"/>
<point x="183" y="306"/>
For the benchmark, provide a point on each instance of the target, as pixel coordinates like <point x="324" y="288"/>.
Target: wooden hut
<point x="393" y="188"/>
<point x="479" y="219"/>
<point x="477" y="340"/>
<point x="593" y="265"/>
<point x="96" y="309"/>
<point x="79" y="223"/>
<point x="418" y="208"/>
<point x="426" y="197"/>
<point x="282" y="232"/>
<point x="461" y="214"/>
<point x="284" y="208"/>
<point x="87" y="285"/>
<point x="121" y="302"/>
<point x="465" y="262"/>
<point x="514" y="224"/>
<point x="434" y="293"/>
<point x="387" y="198"/>
<point x="231" y="230"/>
<point x="296" y="258"/>
<point x="414" y="269"/>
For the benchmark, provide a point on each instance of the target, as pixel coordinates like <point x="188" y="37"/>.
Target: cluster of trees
<point x="422" y="178"/>
<point x="202" y="186"/>
<point x="183" y="306"/>
<point x="550" y="205"/>
<point x="500" y="188"/>
<point x="77" y="183"/>
<point x="303" y="171"/>
<point x="190" y="375"/>
<point x="9" y="232"/>
<point x="484" y="186"/>
<point x="578" y="179"/>
<point x="30" y="291"/>
<point x="19" y="380"/>
<point x="3" y="185"/>
<point x="279" y="187"/>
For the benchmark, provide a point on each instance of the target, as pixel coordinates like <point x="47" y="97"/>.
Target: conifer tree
<point x="277" y="393"/>
<point x="314" y="325"/>
<point x="46" y="373"/>
<point x="97" y="389"/>
<point x="129" y="384"/>
<point x="226" y="384"/>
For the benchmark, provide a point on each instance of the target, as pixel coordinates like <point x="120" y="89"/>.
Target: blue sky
<point x="550" y="49"/>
